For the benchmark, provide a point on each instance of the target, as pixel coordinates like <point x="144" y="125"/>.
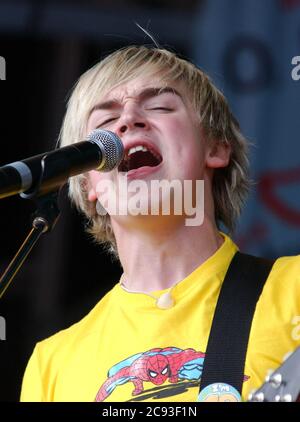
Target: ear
<point x="218" y="154"/>
<point x="92" y="197"/>
<point x="89" y="187"/>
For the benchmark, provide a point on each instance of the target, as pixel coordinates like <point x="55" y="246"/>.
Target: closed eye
<point x="161" y="108"/>
<point x="106" y="122"/>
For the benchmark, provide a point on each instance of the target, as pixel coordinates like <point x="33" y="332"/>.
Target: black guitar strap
<point x="228" y="340"/>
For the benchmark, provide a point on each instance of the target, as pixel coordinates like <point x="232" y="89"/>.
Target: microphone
<point x="102" y="150"/>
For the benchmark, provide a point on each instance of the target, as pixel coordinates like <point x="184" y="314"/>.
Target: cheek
<point x="187" y="156"/>
<point x="90" y="126"/>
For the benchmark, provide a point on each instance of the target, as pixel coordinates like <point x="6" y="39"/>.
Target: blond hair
<point x="230" y="184"/>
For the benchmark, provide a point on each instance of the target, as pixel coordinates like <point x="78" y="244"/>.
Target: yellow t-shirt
<point x="128" y="349"/>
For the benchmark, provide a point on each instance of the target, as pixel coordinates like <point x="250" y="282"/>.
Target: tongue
<point x="142" y="159"/>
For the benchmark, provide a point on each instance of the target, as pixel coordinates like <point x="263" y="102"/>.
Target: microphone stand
<point x="43" y="221"/>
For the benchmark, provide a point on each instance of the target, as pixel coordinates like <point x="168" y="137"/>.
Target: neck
<point x="160" y="256"/>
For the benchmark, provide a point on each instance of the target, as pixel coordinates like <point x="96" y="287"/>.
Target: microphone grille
<point x="111" y="147"/>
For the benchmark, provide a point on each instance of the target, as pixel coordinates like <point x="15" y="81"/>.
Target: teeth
<point x="144" y="149"/>
<point x="139" y="148"/>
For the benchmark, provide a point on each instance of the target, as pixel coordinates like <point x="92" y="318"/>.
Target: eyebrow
<point x="145" y="94"/>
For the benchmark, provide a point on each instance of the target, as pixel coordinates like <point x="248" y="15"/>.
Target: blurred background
<point x="247" y="47"/>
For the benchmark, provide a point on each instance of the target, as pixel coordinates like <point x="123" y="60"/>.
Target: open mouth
<point x="139" y="156"/>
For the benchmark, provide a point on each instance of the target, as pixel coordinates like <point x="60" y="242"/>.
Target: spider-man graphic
<point x="155" y="366"/>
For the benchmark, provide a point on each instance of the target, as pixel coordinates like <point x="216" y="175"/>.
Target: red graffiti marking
<point x="267" y="192"/>
<point x="289" y="4"/>
<point x="257" y="232"/>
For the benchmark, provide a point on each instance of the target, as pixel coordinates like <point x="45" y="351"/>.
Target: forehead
<point x="134" y="88"/>
<point x="140" y="88"/>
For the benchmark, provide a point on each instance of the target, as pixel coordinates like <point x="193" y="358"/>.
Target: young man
<point x="147" y="338"/>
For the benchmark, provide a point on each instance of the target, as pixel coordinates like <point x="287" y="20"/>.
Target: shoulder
<point x="63" y="352"/>
<point x="74" y="337"/>
<point x="282" y="287"/>
<point x="286" y="267"/>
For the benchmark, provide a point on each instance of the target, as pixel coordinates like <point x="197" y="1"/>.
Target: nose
<point x="131" y="118"/>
